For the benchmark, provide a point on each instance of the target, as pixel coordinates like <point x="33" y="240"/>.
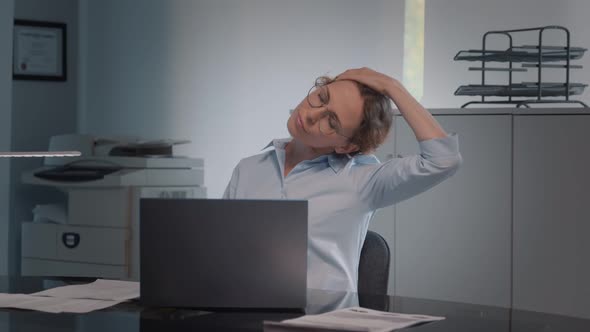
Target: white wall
<point x="453" y="25"/>
<point x="39" y="111"/>
<point x="6" y="18"/>
<point x="223" y="73"/>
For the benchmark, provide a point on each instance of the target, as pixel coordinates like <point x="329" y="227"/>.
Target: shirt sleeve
<point x="401" y="178"/>
<point x="230" y="190"/>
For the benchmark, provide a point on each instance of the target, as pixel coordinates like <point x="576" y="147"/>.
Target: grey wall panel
<point x="453" y="242"/>
<point x="551" y="214"/>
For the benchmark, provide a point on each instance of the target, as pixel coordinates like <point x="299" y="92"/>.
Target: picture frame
<point x="39" y="51"/>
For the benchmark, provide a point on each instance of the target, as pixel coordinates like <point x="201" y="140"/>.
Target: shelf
<point x="521" y="54"/>
<point x="520" y="90"/>
<point x="536" y="65"/>
<point x="495" y="69"/>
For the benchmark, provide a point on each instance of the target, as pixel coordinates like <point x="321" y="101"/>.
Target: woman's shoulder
<point x="267" y="154"/>
<point x="257" y="159"/>
<point x="365" y="159"/>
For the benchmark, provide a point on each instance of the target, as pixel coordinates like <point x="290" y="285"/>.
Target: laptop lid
<point x="215" y="253"/>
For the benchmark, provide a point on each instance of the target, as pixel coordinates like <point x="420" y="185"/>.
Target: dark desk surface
<point x="131" y="316"/>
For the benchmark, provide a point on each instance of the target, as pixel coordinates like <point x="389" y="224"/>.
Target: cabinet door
<point x="382" y="221"/>
<point x="453" y="241"/>
<point x="552" y="214"/>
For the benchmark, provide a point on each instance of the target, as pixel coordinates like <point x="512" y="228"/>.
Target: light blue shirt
<point x="343" y="193"/>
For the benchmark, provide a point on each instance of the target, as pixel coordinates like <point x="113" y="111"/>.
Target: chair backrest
<point x="374" y="265"/>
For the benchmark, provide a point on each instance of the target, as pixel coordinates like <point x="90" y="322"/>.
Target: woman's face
<point x="339" y="108"/>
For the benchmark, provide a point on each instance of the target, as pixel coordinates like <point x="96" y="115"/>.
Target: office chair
<point x="374" y="265"/>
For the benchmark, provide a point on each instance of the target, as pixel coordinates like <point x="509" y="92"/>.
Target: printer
<point x="96" y="234"/>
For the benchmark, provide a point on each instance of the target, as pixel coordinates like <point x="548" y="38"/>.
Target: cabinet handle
<point x="70" y="240"/>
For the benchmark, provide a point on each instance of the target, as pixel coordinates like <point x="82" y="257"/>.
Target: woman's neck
<point x="296" y="152"/>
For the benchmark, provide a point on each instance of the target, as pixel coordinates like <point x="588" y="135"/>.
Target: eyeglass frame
<point x="318" y="85"/>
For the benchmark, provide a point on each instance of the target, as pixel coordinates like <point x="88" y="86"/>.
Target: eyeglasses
<point x="318" y="97"/>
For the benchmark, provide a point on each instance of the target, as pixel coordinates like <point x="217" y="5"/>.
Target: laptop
<point x="216" y="253"/>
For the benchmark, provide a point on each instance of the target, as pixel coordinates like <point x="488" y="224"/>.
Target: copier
<point x="96" y="232"/>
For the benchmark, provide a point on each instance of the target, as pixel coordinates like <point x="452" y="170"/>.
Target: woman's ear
<point x="348" y="148"/>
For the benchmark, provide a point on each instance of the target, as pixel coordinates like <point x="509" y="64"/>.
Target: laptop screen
<point x="223" y="253"/>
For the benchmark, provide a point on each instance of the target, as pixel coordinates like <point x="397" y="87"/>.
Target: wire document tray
<point x="521" y="58"/>
<point x="521" y="90"/>
<point x="522" y="54"/>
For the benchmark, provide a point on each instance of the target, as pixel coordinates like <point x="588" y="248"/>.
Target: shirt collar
<point x="364" y="159"/>
<point x="335" y="161"/>
<point x="278" y="143"/>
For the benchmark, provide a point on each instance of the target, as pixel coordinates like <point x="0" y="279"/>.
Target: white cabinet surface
<point x="101" y="236"/>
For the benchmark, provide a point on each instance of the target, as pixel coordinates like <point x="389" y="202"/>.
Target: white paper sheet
<point x="74" y="298"/>
<point x="53" y="304"/>
<point x="101" y="289"/>
<point x="351" y="319"/>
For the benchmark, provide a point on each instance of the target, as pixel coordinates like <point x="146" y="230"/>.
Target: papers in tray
<point x="74" y="298"/>
<point x="350" y="319"/>
<point x="524" y="89"/>
<point x="525" y="53"/>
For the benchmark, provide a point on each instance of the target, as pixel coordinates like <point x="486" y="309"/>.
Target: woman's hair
<point x="377" y="117"/>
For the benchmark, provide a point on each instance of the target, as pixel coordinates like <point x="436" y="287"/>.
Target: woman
<point x="328" y="162"/>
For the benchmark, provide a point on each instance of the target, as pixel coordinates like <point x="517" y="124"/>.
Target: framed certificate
<point x="39" y="51"/>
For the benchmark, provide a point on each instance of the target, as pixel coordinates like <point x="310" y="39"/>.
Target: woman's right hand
<point x="371" y="78"/>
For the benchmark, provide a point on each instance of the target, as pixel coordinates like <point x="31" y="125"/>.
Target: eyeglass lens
<point x="318" y="96"/>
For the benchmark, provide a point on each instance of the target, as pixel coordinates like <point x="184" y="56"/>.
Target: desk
<point x="133" y="317"/>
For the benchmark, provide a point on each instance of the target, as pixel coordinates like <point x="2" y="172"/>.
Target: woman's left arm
<point x="423" y="124"/>
<point x="401" y="178"/>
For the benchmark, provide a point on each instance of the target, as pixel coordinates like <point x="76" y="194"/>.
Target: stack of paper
<point x="350" y="319"/>
<point x="74" y="298"/>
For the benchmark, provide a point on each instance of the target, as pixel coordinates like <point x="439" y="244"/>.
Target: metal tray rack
<point x="529" y="56"/>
